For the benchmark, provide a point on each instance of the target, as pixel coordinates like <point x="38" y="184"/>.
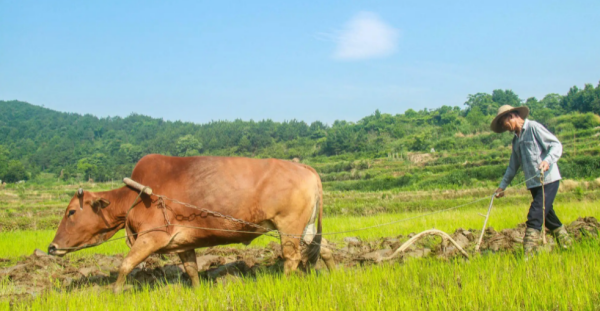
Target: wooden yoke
<point x="135" y="185"/>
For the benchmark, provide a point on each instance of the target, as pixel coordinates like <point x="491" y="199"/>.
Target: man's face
<point x="509" y="122"/>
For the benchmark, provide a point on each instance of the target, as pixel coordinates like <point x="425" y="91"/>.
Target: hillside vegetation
<point x="447" y="147"/>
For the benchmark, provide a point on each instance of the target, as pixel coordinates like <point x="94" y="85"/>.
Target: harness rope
<point x="127" y="230"/>
<point x="268" y="232"/>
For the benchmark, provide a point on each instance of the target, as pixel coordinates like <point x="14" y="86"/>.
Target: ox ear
<point x="100" y="203"/>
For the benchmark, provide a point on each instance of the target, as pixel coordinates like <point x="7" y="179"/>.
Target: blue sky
<point x="322" y="60"/>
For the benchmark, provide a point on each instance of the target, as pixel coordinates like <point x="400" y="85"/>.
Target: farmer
<point x="535" y="150"/>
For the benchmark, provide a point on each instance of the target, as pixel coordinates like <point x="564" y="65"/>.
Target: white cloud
<point x="366" y="36"/>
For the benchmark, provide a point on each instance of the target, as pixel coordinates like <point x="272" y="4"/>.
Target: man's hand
<point x="499" y="193"/>
<point x="544" y="166"/>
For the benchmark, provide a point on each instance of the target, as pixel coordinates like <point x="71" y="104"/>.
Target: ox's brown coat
<point x="274" y="193"/>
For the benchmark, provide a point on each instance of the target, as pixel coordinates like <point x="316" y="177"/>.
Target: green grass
<point x="15" y="244"/>
<point x="503" y="281"/>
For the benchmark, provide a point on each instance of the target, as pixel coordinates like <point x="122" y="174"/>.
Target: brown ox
<point x="273" y="193"/>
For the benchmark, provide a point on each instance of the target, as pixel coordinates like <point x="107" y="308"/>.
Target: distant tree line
<point x="34" y="139"/>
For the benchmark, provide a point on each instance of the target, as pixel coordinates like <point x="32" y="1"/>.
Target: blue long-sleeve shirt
<point x="534" y="145"/>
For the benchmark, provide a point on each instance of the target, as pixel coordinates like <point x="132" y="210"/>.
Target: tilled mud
<point x="40" y="272"/>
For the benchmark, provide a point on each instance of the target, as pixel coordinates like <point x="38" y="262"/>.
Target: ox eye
<point x="71" y="212"/>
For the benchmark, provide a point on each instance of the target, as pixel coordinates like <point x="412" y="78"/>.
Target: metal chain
<point x="216" y="214"/>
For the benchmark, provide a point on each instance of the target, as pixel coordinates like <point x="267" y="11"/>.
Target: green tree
<point x="87" y="167"/>
<point x="506" y="97"/>
<point x="533" y="104"/>
<point x="15" y="171"/>
<point x="3" y="161"/>
<point x="476" y="117"/>
<point x="130" y="152"/>
<point x="582" y="100"/>
<point x="421" y="142"/>
<point x="482" y="101"/>
<point x="244" y="144"/>
<point x="537" y="110"/>
<point x="410" y="113"/>
<point x="188" y="145"/>
<point x="552" y="101"/>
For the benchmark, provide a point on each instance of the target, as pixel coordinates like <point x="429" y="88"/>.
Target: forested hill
<point x="34" y="139"/>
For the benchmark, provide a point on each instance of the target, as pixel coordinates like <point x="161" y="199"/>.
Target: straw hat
<point x="497" y="127"/>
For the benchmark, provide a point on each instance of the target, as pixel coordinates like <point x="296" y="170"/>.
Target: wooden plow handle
<point x="135" y="185"/>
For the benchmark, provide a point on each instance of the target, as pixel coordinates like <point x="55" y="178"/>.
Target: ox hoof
<point x="121" y="289"/>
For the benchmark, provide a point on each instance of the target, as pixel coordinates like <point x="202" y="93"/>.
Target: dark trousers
<point x="534" y="218"/>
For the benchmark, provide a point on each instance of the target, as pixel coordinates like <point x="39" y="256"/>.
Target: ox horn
<point x="80" y="196"/>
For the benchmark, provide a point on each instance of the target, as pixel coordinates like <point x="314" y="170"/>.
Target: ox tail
<point x="314" y="248"/>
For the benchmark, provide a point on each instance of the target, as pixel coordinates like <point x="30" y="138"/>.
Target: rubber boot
<point x="530" y="242"/>
<point x="563" y="237"/>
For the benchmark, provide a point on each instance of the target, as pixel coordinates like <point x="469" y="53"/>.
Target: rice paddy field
<point x="493" y="279"/>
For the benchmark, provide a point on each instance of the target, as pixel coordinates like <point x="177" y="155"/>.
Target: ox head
<point x="83" y="224"/>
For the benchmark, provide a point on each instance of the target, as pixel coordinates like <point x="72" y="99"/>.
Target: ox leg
<point x="327" y="256"/>
<point x="188" y="258"/>
<point x="291" y="254"/>
<point x="140" y="250"/>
